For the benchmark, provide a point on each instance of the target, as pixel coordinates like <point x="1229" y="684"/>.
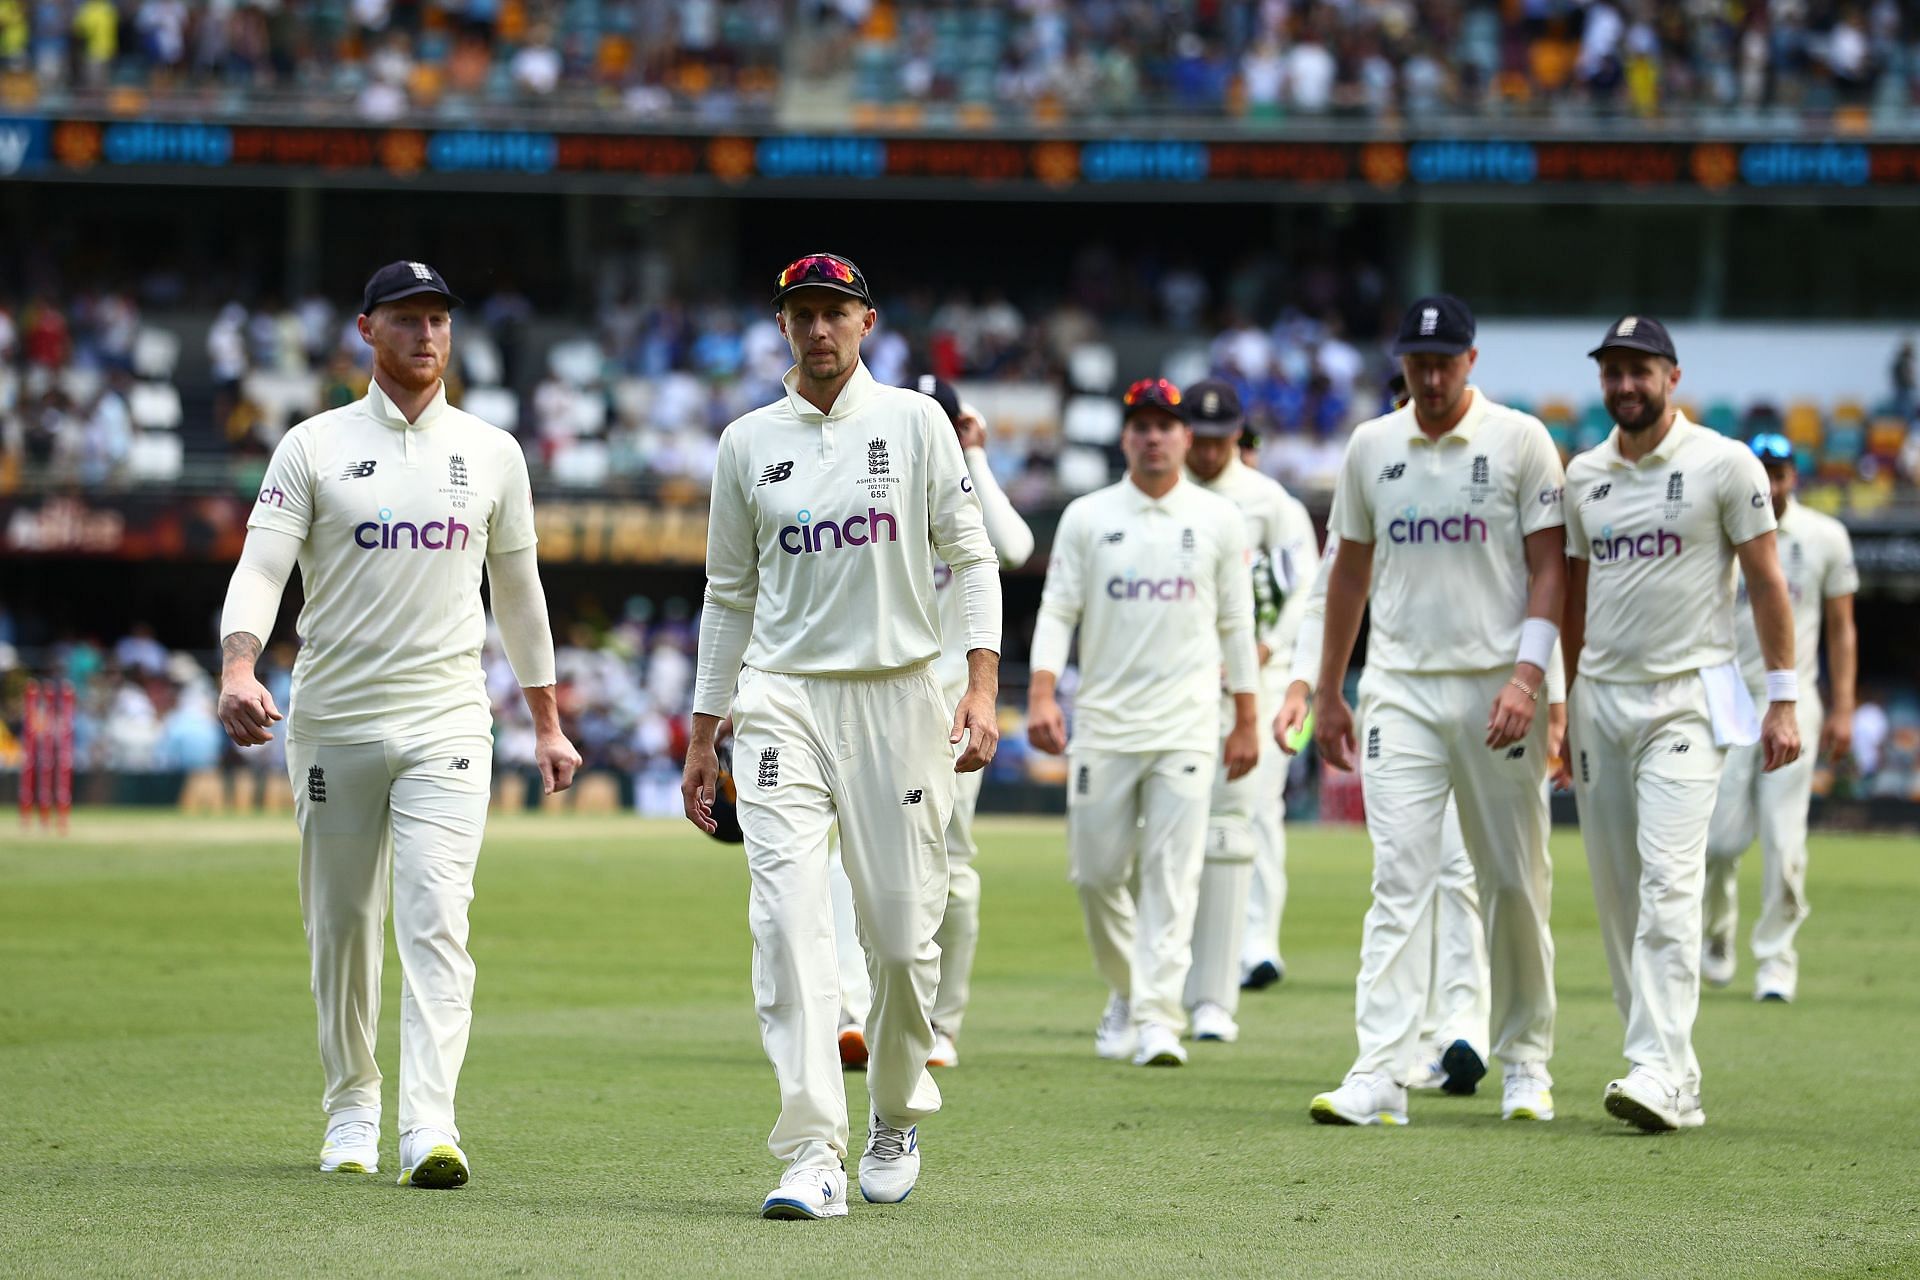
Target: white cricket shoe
<point x="891" y="1164"/>
<point x="1642" y="1099"/>
<point x="945" y="1052"/>
<point x="351" y="1146"/>
<point x="1364" y="1097"/>
<point x="1717" y="962"/>
<point x="1528" y="1094"/>
<point x="1159" y="1047"/>
<point x="807" y="1193"/>
<point x="1115" y="1038"/>
<point x="1777" y="980"/>
<point x="431" y="1158"/>
<point x="1213" y="1022"/>
<point x="1430" y="1075"/>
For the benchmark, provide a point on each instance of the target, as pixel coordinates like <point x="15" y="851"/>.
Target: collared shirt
<point x="1658" y="536"/>
<point x="1448" y="520"/>
<point x="1160" y="592"/>
<point x="1816" y="557"/>
<point x="397" y="519"/>
<point x="1282" y="544"/>
<point x="824" y="528"/>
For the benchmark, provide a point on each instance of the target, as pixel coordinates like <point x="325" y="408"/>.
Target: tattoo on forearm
<point x="241" y="646"/>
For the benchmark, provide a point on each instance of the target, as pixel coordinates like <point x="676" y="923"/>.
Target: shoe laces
<point x="353" y="1133"/>
<point x="1526" y="1073"/>
<point x="1118" y="1017"/>
<point x="812" y="1173"/>
<point x="885" y="1141"/>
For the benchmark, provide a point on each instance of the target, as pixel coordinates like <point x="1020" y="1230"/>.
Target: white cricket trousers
<point x="401" y="819"/>
<point x="1457" y="991"/>
<point x="1773" y="805"/>
<point x="1267" y="895"/>
<point x="871" y="753"/>
<point x="1645" y="772"/>
<point x="1226" y="875"/>
<point x="1136" y="836"/>
<point x="1421" y="738"/>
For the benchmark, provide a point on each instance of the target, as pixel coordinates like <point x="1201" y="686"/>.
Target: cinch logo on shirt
<point x="1132" y="588"/>
<point x="388" y="534"/>
<point x="1414" y="528"/>
<point x="273" y="495"/>
<point x="1646" y="546"/>
<point x="810" y="536"/>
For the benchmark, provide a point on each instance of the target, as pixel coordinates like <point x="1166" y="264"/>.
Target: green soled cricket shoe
<point x="430" y="1158"/>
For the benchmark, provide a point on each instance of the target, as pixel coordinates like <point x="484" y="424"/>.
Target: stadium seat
<point x="154" y="406"/>
<point x="1083" y="470"/>
<point x="575" y="361"/>
<point x="1722" y="417"/>
<point x="1092" y="420"/>
<point x="1185" y="366"/>
<point x="155" y="455"/>
<point x="155" y="352"/>
<point x="496" y="405"/>
<point x="1091" y="368"/>
<point x="632" y="399"/>
<point x="283" y="398"/>
<point x="81" y="385"/>
<point x="1804" y="425"/>
<point x="589" y="413"/>
<point x="480" y="358"/>
<point x="584" y="464"/>
<point x="1885" y="436"/>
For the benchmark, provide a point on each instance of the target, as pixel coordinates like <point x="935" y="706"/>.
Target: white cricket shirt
<point x="1012" y="543"/>
<point x="397" y="520"/>
<point x="1658" y="537"/>
<point x="1816" y="555"/>
<point x="824" y="529"/>
<point x="1448" y="520"/>
<point x="1160" y="591"/>
<point x="1281" y="541"/>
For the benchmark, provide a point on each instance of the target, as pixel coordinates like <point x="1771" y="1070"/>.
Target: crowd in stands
<point x="1036" y="59"/>
<point x="386" y="59"/>
<point x="625" y="693"/>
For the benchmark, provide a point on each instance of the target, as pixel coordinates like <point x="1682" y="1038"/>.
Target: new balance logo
<point x="1373" y="743"/>
<point x="776" y="473"/>
<point x="1192" y="768"/>
<point x="913" y="797"/>
<point x="1115" y="538"/>
<point x="1586" y="775"/>
<point x="1515" y="753"/>
<point x="1595" y="494"/>
<point x="458" y="762"/>
<point x="1392" y="471"/>
<point x="1681" y="748"/>
<point x="358" y="470"/>
<point x="317" y="785"/>
<point x="1082" y="781"/>
<point x="770" y="767"/>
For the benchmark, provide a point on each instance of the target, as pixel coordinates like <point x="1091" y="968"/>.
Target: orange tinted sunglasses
<point x="820" y="266"/>
<point x="1151" y="391"/>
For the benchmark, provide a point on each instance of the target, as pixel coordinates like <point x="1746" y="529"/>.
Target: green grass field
<point x="159" y="1090"/>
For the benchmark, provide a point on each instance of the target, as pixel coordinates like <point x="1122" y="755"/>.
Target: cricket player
<point x="1657" y="516"/>
<point x="1153" y="571"/>
<point x="1448" y="514"/>
<point x="1816" y="555"/>
<point x="830" y="508"/>
<point x="1454" y="1026"/>
<point x="391" y="506"/>
<point x="1244" y="825"/>
<point x="959" y="933"/>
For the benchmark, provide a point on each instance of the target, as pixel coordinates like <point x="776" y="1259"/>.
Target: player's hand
<point x="971" y="430"/>
<point x="698" y="783"/>
<point x="246" y="710"/>
<point x="975" y="719"/>
<point x="1333" y="729"/>
<point x="1512" y="716"/>
<point x="1559" y="771"/>
<point x="557" y="760"/>
<point x="1242" y="750"/>
<point x="1780" y="735"/>
<point x="1836" y="735"/>
<point x="1046" y="726"/>
<point x="1293" y="714"/>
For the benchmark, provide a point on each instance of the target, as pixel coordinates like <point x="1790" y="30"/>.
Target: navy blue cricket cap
<point x="1439" y="323"/>
<point x="930" y="384"/>
<point x="1213" y="408"/>
<point x="1638" y="333"/>
<point x="399" y="280"/>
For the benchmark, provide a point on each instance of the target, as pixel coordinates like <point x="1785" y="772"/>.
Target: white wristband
<point x="1783" y="686"/>
<point x="1537" y="638"/>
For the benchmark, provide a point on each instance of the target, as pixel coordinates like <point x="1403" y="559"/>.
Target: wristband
<point x="1537" y="638"/>
<point x="1783" y="686"/>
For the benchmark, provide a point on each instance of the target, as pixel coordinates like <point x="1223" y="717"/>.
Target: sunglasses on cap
<point x="822" y="268"/>
<point x="1771" y="446"/>
<point x="1151" y="391"/>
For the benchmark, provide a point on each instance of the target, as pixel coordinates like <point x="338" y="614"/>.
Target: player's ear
<point x="873" y="314"/>
<point x="365" y="324"/>
<point x="1673" y="376"/>
<point x="780" y="318"/>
